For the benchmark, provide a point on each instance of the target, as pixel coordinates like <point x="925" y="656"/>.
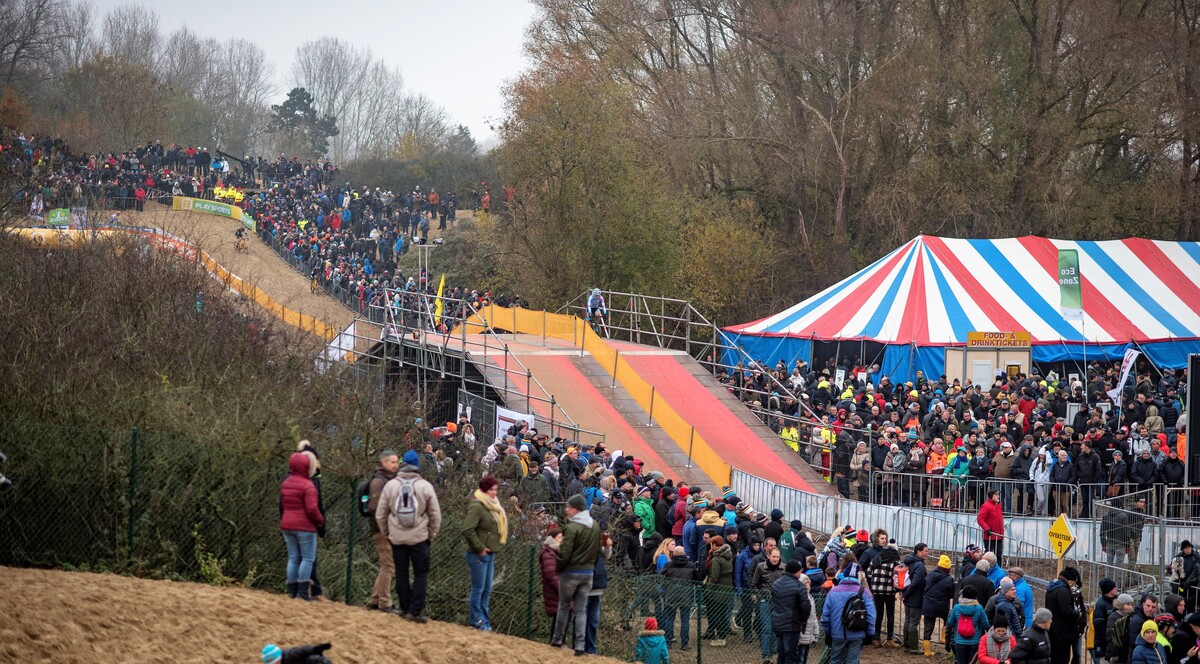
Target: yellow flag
<point x="437" y="307"/>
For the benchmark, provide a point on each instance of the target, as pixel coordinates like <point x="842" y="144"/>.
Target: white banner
<point x="341" y="346"/>
<point x="1126" y="366"/>
<point x="505" y="418"/>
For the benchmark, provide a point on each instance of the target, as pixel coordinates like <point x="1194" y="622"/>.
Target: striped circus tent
<point x="928" y="294"/>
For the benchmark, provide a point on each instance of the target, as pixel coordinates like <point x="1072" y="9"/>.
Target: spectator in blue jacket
<point x="1024" y="594"/>
<point x="846" y="645"/>
<point x="689" y="534"/>
<point x="968" y="623"/>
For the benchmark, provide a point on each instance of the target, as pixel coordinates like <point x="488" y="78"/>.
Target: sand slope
<point x="56" y="616"/>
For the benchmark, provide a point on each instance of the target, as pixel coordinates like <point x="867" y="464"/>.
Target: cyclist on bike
<point x="240" y="233"/>
<point x="595" y="306"/>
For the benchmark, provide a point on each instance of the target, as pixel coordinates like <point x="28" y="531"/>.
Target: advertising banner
<point x="999" y="339"/>
<point x="1126" y="366"/>
<point x="1069" y="291"/>
<point x="185" y="204"/>
<point x="58" y="217"/>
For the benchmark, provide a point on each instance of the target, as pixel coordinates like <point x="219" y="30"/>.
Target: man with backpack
<point x="848" y="618"/>
<point x="409" y="516"/>
<point x="368" y="503"/>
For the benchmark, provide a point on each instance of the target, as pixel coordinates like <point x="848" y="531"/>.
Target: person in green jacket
<point x="643" y="506"/>
<point x="577" y="554"/>
<point x="719" y="589"/>
<point x="486" y="531"/>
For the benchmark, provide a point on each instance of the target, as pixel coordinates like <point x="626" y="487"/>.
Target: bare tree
<point x="29" y="34"/>
<point x="130" y="33"/>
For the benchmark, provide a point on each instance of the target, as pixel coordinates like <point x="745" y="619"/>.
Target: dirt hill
<point x="259" y="265"/>
<point x="56" y="616"/>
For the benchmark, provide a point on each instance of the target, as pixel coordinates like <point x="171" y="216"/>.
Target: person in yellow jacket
<point x="791" y="437"/>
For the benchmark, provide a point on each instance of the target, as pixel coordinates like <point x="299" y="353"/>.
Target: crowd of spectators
<point x="1048" y="443"/>
<point x="62" y="177"/>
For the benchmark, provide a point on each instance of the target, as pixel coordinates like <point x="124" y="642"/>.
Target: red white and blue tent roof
<point x="932" y="291"/>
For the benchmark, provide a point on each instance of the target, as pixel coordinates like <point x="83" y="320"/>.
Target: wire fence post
<point x="698" y="600"/>
<point x="133" y="478"/>
<point x="650" y="419"/>
<point x="529" y="593"/>
<point x="691" y="439"/>
<point x="350" y="543"/>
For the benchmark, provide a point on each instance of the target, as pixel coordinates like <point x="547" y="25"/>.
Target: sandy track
<point x="55" y="616"/>
<point x="260" y="265"/>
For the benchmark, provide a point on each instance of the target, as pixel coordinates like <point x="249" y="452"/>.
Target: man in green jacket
<point x="577" y="555"/>
<point x="643" y="506"/>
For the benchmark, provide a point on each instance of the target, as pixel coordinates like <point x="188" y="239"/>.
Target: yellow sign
<point x="1062" y="538"/>
<point x="998" y="339"/>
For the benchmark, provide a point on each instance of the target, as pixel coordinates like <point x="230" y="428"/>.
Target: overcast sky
<point x="458" y="52"/>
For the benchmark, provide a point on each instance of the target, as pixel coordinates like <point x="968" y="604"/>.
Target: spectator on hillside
<point x="486" y="530"/>
<point x="914" y="595"/>
<point x="548" y="564"/>
<point x="596" y="593"/>
<point x="577" y="554"/>
<point x="381" y="593"/>
<point x="967" y="624"/>
<point x="845" y="637"/>
<point x="791" y="612"/>
<point x="1034" y="645"/>
<point x="1065" y="630"/>
<point x="299" y="520"/>
<point x="680" y="578"/>
<point x="991" y="521"/>
<point x="939" y="593"/>
<point x="410" y="517"/>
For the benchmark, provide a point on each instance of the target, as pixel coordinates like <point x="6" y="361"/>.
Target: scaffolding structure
<point x="403" y="335"/>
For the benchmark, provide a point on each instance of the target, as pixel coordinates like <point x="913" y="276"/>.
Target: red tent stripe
<point x="915" y="324"/>
<point x="1166" y="270"/>
<point x="1095" y="304"/>
<point x="997" y="314"/>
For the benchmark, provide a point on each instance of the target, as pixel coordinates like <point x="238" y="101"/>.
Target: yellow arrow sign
<point x="1061" y="537"/>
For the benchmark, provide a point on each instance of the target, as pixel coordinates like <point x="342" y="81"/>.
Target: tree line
<point x="108" y="81"/>
<point x="781" y="145"/>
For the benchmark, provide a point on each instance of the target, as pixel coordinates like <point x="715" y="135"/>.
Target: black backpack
<point x="362" y="498"/>
<point x="854" y="614"/>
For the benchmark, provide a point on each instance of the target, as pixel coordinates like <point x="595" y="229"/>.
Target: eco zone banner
<point x="186" y="204"/>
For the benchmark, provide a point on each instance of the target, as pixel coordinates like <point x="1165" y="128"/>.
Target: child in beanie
<point x="652" y="645"/>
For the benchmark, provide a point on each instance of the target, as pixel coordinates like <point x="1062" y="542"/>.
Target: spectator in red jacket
<point x="681" y="514"/>
<point x="991" y="520"/>
<point x="299" y="518"/>
<point x="548" y="559"/>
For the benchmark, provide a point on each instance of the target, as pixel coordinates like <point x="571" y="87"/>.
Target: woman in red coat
<point x="548" y="559"/>
<point x="299" y="518"/>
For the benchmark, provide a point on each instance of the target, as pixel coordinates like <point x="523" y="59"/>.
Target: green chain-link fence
<point x="133" y="502"/>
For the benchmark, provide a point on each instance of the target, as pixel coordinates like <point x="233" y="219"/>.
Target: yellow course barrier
<point x="579" y="333"/>
<point x="71" y="239"/>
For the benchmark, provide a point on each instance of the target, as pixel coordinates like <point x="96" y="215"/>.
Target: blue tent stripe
<point x="783" y="324"/>
<point x="960" y="324"/>
<point x="875" y="324"/>
<point x="1192" y="249"/>
<point x="1131" y="286"/>
<point x="1024" y="290"/>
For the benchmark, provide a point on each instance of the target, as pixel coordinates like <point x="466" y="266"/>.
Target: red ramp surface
<point x="728" y="436"/>
<point x="590" y="409"/>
